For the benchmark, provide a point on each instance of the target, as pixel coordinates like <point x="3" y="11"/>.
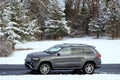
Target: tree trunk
<point x="113" y="34"/>
<point x="98" y="34"/>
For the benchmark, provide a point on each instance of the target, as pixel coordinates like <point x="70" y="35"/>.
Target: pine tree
<point x="38" y="13"/>
<point x="2" y="23"/>
<point x="112" y="25"/>
<point x="56" y="25"/>
<point x="17" y="25"/>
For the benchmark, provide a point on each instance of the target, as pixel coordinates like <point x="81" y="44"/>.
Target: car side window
<point x="88" y="51"/>
<point x="77" y="51"/>
<point x="65" y="51"/>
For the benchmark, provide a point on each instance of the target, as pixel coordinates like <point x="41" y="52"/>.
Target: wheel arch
<point x="90" y="62"/>
<point x="48" y="62"/>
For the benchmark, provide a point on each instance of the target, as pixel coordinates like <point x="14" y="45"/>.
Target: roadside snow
<point x="110" y="49"/>
<point x="62" y="77"/>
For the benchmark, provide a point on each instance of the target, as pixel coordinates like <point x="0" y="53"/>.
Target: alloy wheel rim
<point x="89" y="68"/>
<point x="44" y="69"/>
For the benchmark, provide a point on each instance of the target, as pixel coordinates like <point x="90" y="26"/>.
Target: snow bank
<point x="62" y="77"/>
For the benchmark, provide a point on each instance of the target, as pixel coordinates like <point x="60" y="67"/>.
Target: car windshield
<point x="53" y="50"/>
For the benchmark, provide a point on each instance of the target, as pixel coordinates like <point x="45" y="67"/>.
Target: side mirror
<point x="58" y="54"/>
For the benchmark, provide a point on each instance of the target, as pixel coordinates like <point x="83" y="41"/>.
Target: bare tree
<point x="79" y="12"/>
<point x="72" y="9"/>
<point x="38" y="9"/>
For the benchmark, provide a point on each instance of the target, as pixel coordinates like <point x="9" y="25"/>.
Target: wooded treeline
<point x="94" y="17"/>
<point x="25" y="20"/>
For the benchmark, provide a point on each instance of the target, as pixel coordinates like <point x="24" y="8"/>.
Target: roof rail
<point x="75" y="44"/>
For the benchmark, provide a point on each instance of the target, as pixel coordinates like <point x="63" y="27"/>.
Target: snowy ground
<point x="62" y="77"/>
<point x="110" y="50"/>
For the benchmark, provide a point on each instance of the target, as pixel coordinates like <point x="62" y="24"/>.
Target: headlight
<point x="36" y="59"/>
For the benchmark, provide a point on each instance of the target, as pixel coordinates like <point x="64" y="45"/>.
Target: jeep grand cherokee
<point x="65" y="56"/>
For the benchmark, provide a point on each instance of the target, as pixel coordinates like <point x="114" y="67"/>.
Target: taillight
<point x="99" y="55"/>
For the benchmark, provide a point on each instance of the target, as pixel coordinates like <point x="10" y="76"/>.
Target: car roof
<point x="74" y="45"/>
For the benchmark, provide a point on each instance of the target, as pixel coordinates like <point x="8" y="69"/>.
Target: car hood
<point x="38" y="54"/>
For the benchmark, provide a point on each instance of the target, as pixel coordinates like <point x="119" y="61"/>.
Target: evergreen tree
<point x="56" y="25"/>
<point x="17" y="25"/>
<point x="112" y="25"/>
<point x="2" y="23"/>
<point x="38" y="13"/>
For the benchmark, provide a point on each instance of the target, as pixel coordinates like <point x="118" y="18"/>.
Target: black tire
<point x="88" y="68"/>
<point x="44" y="68"/>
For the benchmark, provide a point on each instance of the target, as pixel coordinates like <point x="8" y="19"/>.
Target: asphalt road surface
<point x="21" y="70"/>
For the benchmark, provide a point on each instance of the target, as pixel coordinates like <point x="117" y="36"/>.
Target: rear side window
<point x="76" y="50"/>
<point x="81" y="50"/>
<point x="88" y="51"/>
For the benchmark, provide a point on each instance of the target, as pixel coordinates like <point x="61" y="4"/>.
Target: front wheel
<point x="88" y="68"/>
<point x="44" y="68"/>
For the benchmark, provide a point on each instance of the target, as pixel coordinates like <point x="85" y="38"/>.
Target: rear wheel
<point x="44" y="68"/>
<point x="88" y="68"/>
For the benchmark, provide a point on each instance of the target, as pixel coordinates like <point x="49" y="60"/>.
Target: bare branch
<point x="43" y="4"/>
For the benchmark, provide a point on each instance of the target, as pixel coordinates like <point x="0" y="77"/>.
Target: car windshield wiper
<point x="46" y="51"/>
<point x="50" y="52"/>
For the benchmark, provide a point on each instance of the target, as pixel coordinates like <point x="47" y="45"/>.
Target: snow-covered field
<point x="109" y="49"/>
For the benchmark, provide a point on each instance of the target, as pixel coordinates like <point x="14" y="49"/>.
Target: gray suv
<point x="65" y="56"/>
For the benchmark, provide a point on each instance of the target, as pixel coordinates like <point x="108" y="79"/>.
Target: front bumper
<point x="31" y="64"/>
<point x="28" y="65"/>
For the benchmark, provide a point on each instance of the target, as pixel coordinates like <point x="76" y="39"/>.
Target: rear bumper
<point x="98" y="63"/>
<point x="99" y="66"/>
